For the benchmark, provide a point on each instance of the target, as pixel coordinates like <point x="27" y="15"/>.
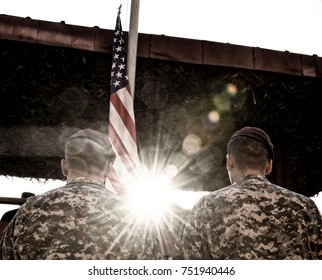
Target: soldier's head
<point x="249" y="151"/>
<point x="88" y="153"/>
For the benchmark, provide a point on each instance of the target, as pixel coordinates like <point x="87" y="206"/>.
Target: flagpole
<point x="132" y="43"/>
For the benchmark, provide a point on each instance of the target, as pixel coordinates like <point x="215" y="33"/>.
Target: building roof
<point x="160" y="47"/>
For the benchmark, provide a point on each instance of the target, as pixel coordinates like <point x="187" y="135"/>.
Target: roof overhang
<point x="161" y="47"/>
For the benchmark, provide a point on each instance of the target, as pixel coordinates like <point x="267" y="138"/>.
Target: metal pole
<point x="132" y="43"/>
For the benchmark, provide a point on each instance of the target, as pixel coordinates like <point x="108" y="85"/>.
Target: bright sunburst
<point x="149" y="196"/>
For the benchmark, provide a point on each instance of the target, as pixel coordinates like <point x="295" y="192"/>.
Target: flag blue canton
<point x="119" y="77"/>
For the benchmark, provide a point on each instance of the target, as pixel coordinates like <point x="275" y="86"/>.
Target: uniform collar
<point x="85" y="180"/>
<point x="251" y="177"/>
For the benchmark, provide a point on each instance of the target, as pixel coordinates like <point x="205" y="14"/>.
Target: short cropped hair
<point x="248" y="153"/>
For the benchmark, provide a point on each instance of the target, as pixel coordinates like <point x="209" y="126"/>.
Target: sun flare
<point x="149" y="196"/>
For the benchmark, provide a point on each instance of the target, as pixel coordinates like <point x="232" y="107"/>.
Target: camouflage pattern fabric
<point x="252" y="219"/>
<point x="82" y="220"/>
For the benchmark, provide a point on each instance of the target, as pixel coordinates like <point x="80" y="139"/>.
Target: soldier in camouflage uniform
<point x="82" y="220"/>
<point x="252" y="218"/>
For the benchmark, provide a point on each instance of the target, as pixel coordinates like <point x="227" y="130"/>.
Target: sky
<point x="292" y="25"/>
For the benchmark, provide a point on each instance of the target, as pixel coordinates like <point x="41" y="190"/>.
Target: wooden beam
<point x="12" y="200"/>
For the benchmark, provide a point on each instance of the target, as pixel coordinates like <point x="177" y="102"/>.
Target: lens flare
<point x="212" y="119"/>
<point x="171" y="171"/>
<point x="231" y="89"/>
<point x="191" y="144"/>
<point x="214" y="116"/>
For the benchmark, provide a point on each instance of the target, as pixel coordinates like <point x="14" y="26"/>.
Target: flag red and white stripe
<point x="122" y="129"/>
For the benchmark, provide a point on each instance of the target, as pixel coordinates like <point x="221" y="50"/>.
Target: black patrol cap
<point x="257" y="134"/>
<point x="27" y="194"/>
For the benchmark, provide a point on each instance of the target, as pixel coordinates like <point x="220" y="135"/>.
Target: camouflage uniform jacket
<point x="82" y="220"/>
<point x="252" y="219"/>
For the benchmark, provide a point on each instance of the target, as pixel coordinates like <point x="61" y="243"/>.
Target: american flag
<point x="122" y="130"/>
